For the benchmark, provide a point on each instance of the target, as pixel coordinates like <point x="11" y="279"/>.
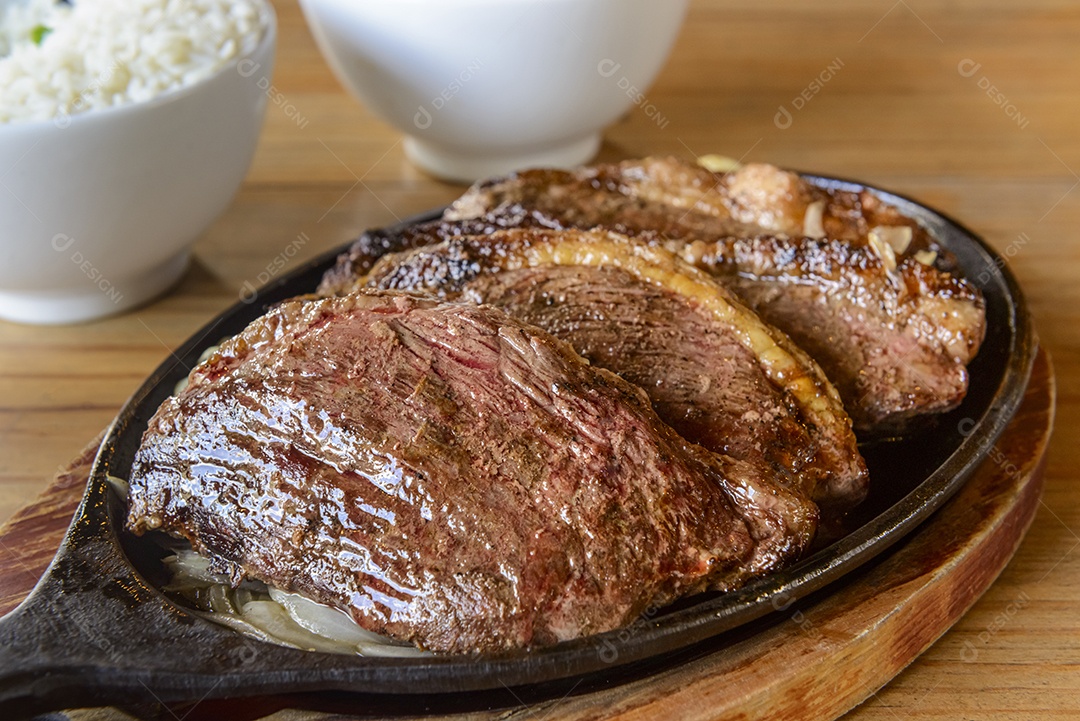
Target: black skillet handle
<point x="60" y="648"/>
<point x="92" y="633"/>
<point x="82" y="642"/>
<point x="45" y="662"/>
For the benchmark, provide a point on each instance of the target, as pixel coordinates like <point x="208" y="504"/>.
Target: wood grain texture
<point x="858" y="635"/>
<point x="28" y="541"/>
<point x="897" y="114"/>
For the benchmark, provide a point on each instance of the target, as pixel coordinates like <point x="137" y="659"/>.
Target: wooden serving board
<point x="821" y="659"/>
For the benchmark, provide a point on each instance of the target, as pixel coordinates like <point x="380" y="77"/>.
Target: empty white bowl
<point x="482" y="87"/>
<point x="99" y="210"/>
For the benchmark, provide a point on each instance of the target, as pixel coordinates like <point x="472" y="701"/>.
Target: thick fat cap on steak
<point x="450" y="476"/>
<point x="714" y="372"/>
<point x="865" y="290"/>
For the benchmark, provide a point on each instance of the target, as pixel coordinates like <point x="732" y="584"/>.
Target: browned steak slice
<point x="684" y="201"/>
<point x="712" y="369"/>
<point x="449" y="475"/>
<point x="373" y="244"/>
<point x="894" y="339"/>
<point x="866" y="290"/>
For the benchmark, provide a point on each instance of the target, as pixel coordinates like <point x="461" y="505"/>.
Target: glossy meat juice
<point x="713" y="371"/>
<point x="862" y="288"/>
<point x="450" y="476"/>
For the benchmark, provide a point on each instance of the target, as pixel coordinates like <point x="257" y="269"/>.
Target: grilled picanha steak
<point x="863" y="289"/>
<point x="714" y="372"/>
<point x="684" y="201"/>
<point x="895" y="339"/>
<point x="450" y="475"/>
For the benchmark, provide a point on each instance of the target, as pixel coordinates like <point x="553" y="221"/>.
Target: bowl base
<point x="467" y="166"/>
<point x="98" y="300"/>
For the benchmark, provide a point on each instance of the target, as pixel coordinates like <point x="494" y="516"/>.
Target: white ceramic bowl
<point x="482" y="87"/>
<point x="99" y="210"/>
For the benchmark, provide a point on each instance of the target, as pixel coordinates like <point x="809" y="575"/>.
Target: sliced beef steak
<point x="366" y="250"/>
<point x="863" y="288"/>
<point x="895" y="340"/>
<point x="449" y="475"/>
<point x="712" y="369"/>
<point x="684" y="201"/>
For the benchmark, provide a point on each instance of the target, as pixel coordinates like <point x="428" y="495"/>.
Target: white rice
<point x="105" y="53"/>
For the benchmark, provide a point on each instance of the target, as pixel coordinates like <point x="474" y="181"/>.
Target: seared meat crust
<point x="714" y="371"/>
<point x="450" y="476"/>
<point x="864" y="289"/>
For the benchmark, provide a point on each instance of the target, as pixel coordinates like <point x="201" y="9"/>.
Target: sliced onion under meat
<point x="272" y="615"/>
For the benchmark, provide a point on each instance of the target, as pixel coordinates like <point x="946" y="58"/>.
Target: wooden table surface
<point x="969" y="106"/>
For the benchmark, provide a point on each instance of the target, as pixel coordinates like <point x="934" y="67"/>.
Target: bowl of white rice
<point x="126" y="128"/>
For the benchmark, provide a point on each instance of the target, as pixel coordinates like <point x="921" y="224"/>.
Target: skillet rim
<point x="646" y="638"/>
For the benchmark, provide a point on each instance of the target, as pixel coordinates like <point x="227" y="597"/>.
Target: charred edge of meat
<point x="747" y="226"/>
<point x="446" y="269"/>
<point x="937" y="321"/>
<point x="267" y="464"/>
<point x="366" y="250"/>
<point x="685" y="201"/>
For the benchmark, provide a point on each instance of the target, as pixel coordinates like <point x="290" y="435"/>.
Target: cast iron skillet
<point x="97" y="631"/>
